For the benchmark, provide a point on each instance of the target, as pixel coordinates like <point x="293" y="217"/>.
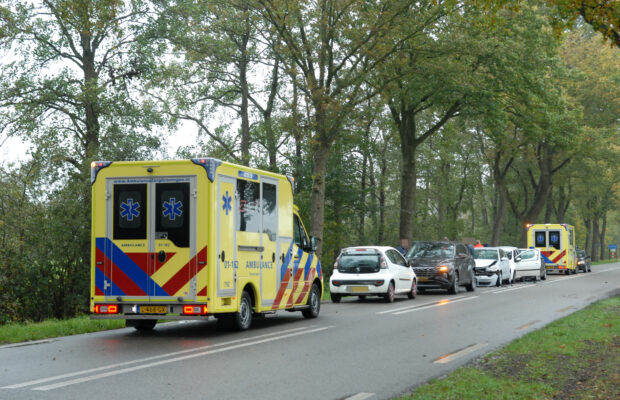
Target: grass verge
<point x="576" y="357"/>
<point x="23" y="332"/>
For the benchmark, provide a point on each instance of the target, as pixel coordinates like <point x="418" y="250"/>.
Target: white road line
<point x="140" y="360"/>
<point x="457" y="354"/>
<point x="418" y="305"/>
<point x="172" y="360"/>
<point x="510" y="289"/>
<point x="440" y="304"/>
<point x="360" y="396"/>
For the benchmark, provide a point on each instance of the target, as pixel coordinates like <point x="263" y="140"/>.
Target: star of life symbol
<point x="227" y="202"/>
<point x="541" y="238"/>
<point x="172" y="208"/>
<point x="130" y="210"/>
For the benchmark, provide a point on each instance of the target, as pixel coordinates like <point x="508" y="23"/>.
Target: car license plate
<point x="422" y="278"/>
<point x="153" y="309"/>
<point x="358" y="289"/>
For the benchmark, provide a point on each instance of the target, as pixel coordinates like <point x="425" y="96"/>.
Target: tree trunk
<point x="244" y="111"/>
<point x="602" y="237"/>
<point x="595" y="240"/>
<point x="498" y="220"/>
<point x="362" y="206"/>
<point x="588" y="245"/>
<point x="408" y="146"/>
<point x="317" y="214"/>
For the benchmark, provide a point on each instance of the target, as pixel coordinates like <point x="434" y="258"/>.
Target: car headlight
<point x="443" y="269"/>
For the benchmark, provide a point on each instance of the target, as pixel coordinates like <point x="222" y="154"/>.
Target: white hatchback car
<point x="511" y="253"/>
<point x="529" y="263"/>
<point x="372" y="271"/>
<point x="492" y="267"/>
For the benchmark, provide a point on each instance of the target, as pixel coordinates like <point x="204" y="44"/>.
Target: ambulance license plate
<point x="153" y="309"/>
<point x="358" y="289"/>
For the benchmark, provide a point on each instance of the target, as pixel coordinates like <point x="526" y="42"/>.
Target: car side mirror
<point x="312" y="243"/>
<point x="518" y="258"/>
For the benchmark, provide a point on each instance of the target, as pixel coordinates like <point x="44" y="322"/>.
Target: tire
<point x="454" y="288"/>
<point x="567" y="272"/>
<point x="141" y="325"/>
<point x="242" y="319"/>
<point x="314" y="303"/>
<point x="414" y="290"/>
<point x="389" y="296"/>
<point x="543" y="275"/>
<point x="472" y="284"/>
<point x="362" y="298"/>
<point x="335" y="297"/>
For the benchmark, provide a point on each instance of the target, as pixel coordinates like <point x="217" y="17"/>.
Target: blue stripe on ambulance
<point x="547" y="260"/>
<point x="300" y="253"/>
<point x="100" y="278"/>
<point x="308" y="265"/>
<point x="287" y="260"/>
<point x="126" y="264"/>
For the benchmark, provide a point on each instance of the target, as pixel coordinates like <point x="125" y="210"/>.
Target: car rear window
<point x="485" y="254"/>
<point x="359" y="263"/>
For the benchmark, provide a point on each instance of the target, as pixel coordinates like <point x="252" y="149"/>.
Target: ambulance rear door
<point x="150" y="244"/>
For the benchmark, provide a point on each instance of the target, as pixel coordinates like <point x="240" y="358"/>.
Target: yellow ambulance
<point x="192" y="239"/>
<point x="556" y="243"/>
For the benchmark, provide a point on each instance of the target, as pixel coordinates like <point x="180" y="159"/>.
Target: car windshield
<point x="485" y="254"/>
<point x="581" y="253"/>
<point x="528" y="255"/>
<point x="360" y="263"/>
<point x="426" y="249"/>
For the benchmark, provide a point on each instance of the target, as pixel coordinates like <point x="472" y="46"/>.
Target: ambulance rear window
<point x="172" y="208"/>
<point x="554" y="239"/>
<point x="130" y="211"/>
<point x="540" y="239"/>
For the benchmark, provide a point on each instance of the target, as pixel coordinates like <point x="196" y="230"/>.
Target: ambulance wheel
<point x="314" y="303"/>
<point x="142" y="325"/>
<point x="242" y="319"/>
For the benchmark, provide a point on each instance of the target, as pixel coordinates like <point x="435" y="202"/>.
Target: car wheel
<point x="471" y="286"/>
<point x="543" y="275"/>
<point x="454" y="288"/>
<point x="335" y="297"/>
<point x="414" y="290"/>
<point x="362" y="298"/>
<point x="389" y="296"/>
<point x="242" y="319"/>
<point x="314" y="303"/>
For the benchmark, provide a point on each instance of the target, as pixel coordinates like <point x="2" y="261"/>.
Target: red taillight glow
<point x="195" y="310"/>
<point x="106" y="309"/>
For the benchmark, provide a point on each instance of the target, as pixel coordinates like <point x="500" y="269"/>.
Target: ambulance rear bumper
<point x="152" y="316"/>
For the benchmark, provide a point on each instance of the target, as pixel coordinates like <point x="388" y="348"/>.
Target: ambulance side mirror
<point x="312" y="243"/>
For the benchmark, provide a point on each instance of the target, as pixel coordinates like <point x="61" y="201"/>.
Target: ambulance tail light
<point x="106" y="309"/>
<point x="195" y="309"/>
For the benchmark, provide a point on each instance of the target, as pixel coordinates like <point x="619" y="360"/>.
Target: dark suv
<point x="442" y="265"/>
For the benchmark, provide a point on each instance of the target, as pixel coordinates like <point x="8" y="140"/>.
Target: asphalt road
<point x="354" y="350"/>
